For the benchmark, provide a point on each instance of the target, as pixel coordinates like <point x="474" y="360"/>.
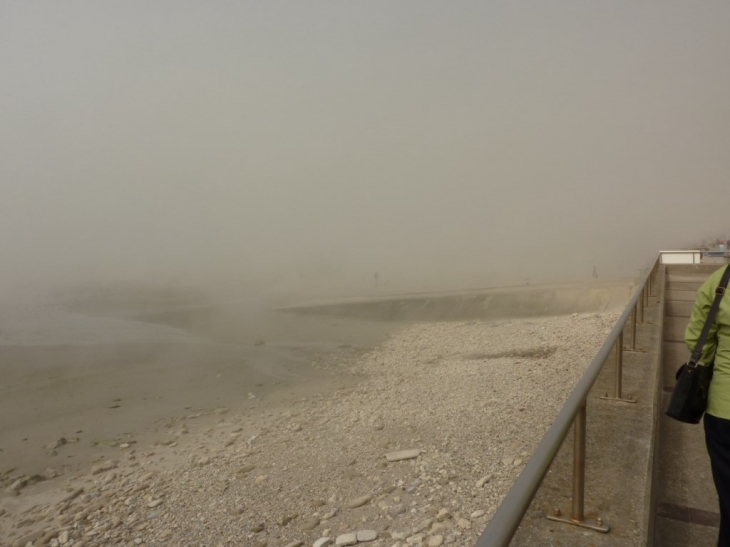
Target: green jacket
<point x="717" y="345"/>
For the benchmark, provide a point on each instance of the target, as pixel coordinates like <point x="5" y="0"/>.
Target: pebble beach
<point x="417" y="447"/>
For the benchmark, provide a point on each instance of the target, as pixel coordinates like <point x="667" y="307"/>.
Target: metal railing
<point x="511" y="511"/>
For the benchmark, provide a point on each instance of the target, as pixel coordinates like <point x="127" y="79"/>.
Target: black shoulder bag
<point x="689" y="398"/>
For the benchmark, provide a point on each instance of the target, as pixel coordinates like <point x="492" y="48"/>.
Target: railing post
<point x="640" y="303"/>
<point x="579" y="464"/>
<point x="577" y="516"/>
<point x="618" y="373"/>
<point x="633" y="347"/>
<point x="633" y="329"/>
<point x="649" y="286"/>
<point x="617" y="384"/>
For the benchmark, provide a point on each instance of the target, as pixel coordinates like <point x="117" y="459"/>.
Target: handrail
<point x="509" y="515"/>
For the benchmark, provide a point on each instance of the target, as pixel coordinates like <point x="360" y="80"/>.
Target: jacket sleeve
<point x="701" y="309"/>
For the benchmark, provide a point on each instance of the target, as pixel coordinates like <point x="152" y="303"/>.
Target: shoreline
<point x="468" y="397"/>
<point x="76" y="385"/>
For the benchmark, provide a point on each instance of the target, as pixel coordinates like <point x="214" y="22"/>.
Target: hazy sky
<point x="461" y="142"/>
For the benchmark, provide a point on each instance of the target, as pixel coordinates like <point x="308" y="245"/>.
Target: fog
<point x="308" y="145"/>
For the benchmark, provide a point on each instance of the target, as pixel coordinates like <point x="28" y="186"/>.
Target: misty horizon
<point x="440" y="145"/>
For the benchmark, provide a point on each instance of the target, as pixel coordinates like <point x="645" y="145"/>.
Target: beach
<point x="405" y="433"/>
<point x="97" y="376"/>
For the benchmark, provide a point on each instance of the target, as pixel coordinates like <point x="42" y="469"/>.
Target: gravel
<point x="469" y="401"/>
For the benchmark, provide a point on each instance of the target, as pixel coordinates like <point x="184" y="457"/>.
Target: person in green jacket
<point x="717" y="415"/>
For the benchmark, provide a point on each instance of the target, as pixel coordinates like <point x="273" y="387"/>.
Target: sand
<point x="99" y="371"/>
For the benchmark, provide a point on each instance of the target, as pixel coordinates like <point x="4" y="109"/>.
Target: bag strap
<point x="719" y="293"/>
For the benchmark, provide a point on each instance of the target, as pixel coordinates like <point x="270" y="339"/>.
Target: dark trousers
<point x="717" y="437"/>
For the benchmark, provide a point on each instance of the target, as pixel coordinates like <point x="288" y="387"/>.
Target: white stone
<point x="323" y="542"/>
<point x="63" y="537"/>
<point x="443" y="514"/>
<point x="295" y="544"/>
<point x="463" y="523"/>
<point x="366" y="535"/>
<point x="436" y="541"/>
<point x="477" y="514"/>
<point x="17" y="485"/>
<point x="346" y="539"/>
<point x="437" y="527"/>
<point x="154" y="503"/>
<point x="403" y="455"/>
<point x="484" y="480"/>
<point x="310" y="523"/>
<point x="358" y="502"/>
<point x="102" y="467"/>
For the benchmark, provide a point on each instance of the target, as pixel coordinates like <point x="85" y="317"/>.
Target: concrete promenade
<point x="687" y="507"/>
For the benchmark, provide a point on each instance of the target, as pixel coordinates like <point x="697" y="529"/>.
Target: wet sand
<point x="108" y="374"/>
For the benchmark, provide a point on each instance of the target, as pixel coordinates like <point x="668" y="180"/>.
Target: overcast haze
<point x="444" y="144"/>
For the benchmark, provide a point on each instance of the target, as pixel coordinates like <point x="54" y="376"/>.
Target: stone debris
<point x="18" y="485"/>
<point x="346" y="539"/>
<point x="103" y="467"/>
<point x="484" y="480"/>
<point x="310" y="523"/>
<point x="286" y="486"/>
<point x="358" y="502"/>
<point x="366" y="535"/>
<point x="245" y="469"/>
<point x="403" y="455"/>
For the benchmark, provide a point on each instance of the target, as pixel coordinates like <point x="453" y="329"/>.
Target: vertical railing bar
<point x="633" y="329"/>
<point x="640" y="303"/>
<point x="579" y="464"/>
<point x="649" y="285"/>
<point x="619" y="365"/>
